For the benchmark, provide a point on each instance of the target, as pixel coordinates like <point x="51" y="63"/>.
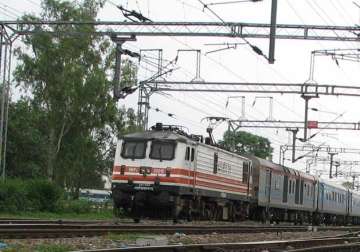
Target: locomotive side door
<point x="193" y="160"/>
<point x="190" y="164"/>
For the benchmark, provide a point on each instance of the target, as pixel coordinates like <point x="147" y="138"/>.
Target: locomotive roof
<point x="149" y="135"/>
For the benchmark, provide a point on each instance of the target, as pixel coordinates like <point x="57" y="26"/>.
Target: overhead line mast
<point x="196" y="29"/>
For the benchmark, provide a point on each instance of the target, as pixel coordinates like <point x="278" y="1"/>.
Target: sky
<point x="242" y="64"/>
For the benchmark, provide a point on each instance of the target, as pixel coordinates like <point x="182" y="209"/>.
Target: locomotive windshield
<point x="162" y="150"/>
<point x="133" y="149"/>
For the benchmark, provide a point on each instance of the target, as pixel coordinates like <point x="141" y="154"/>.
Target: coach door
<point x="301" y="192"/>
<point x="268" y="185"/>
<point x="297" y="191"/>
<point x="285" y="189"/>
<point x="349" y="202"/>
<point x="321" y="192"/>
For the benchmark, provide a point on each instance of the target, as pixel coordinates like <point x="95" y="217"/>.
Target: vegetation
<point x="348" y="185"/>
<point x="93" y="215"/>
<point x="126" y="236"/>
<point x="44" y="199"/>
<point x="245" y="142"/>
<point x="41" y="248"/>
<point x="64" y="126"/>
<point x="29" y="195"/>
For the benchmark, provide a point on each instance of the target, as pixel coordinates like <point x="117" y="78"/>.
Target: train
<point x="167" y="173"/>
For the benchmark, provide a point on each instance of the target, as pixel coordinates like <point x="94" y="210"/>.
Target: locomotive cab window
<point x="192" y="154"/>
<point x="133" y="149"/>
<point x="162" y="150"/>
<point x="187" y="153"/>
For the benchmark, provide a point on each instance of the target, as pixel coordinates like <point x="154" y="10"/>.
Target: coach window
<point x="293" y="189"/>
<point x="133" y="149"/>
<point x="192" y="154"/>
<point x="187" y="153"/>
<point x="162" y="150"/>
<point x="290" y="187"/>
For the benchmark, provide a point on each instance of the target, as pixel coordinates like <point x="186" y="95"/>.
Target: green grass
<point x="41" y="248"/>
<point x="53" y="248"/>
<point x="101" y="215"/>
<point x="125" y="237"/>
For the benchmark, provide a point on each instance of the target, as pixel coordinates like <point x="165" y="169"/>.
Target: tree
<point x="25" y="153"/>
<point x="247" y="143"/>
<point x="68" y="80"/>
<point x="348" y="185"/>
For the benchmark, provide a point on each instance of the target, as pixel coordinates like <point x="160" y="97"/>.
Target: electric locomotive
<point x="166" y="172"/>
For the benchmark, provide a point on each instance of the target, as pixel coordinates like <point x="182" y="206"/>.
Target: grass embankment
<point x="99" y="215"/>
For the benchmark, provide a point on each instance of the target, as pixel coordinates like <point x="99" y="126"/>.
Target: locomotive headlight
<point x="168" y="171"/>
<point x="142" y="170"/>
<point x="148" y="170"/>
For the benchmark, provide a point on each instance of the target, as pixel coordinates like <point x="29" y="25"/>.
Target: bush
<point x="33" y="195"/>
<point x="43" y="195"/>
<point x="13" y="196"/>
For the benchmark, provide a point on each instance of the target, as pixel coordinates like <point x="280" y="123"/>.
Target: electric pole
<point x="332" y="154"/>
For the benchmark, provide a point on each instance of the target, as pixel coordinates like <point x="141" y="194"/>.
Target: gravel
<point x="124" y="240"/>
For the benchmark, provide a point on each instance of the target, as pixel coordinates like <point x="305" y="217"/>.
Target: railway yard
<point x="114" y="137"/>
<point x="74" y="235"/>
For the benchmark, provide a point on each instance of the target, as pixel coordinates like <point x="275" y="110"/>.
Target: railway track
<point x="328" y="244"/>
<point x="51" y="230"/>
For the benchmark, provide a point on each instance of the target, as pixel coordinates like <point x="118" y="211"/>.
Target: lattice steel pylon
<point x="5" y="73"/>
<point x="145" y="91"/>
<point x="143" y="108"/>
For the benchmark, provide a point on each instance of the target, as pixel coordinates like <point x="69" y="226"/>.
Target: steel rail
<point x="67" y="230"/>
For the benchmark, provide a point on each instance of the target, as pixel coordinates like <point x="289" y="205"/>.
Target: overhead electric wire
<point x="232" y="2"/>
<point x="213" y="61"/>
<point x="261" y="62"/>
<point x="216" y="106"/>
<point x="34" y="3"/>
<point x="347" y="16"/>
<point x="217" y="14"/>
<point x="7" y="14"/>
<point x="9" y="9"/>
<point x="181" y="42"/>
